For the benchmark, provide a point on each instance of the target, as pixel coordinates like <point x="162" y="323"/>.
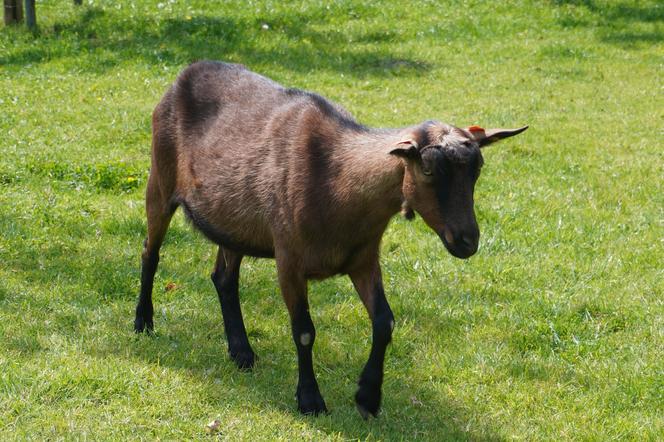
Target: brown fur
<point x="267" y="171"/>
<point x="283" y="168"/>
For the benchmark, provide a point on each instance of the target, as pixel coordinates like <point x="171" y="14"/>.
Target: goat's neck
<point x="373" y="176"/>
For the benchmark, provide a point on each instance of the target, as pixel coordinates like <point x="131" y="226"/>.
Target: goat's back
<point x="252" y="157"/>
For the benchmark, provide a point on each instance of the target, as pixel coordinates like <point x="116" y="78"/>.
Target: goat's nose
<point x="469" y="241"/>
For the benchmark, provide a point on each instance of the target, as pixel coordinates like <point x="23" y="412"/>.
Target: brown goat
<point x="267" y="171"/>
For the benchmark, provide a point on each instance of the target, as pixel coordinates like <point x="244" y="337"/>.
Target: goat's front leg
<point x="294" y="291"/>
<point x="369" y="284"/>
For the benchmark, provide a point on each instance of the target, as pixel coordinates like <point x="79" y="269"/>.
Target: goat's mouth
<point x="458" y="249"/>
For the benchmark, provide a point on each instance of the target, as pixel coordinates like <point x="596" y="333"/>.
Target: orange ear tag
<point x="476" y="132"/>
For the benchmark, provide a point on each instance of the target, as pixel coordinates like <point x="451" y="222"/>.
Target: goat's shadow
<point x="100" y="39"/>
<point x="196" y="345"/>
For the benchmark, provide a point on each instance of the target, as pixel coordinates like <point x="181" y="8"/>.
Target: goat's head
<point x="442" y="164"/>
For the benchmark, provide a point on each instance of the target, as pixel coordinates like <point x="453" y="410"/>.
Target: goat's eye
<point x="429" y="160"/>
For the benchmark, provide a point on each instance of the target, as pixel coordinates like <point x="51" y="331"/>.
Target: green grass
<point x="553" y="331"/>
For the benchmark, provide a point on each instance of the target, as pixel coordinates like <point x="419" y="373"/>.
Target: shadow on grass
<point x="97" y="40"/>
<point x="411" y="410"/>
<point x="620" y="23"/>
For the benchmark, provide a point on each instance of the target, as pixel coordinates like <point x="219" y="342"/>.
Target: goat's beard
<point x="406" y="211"/>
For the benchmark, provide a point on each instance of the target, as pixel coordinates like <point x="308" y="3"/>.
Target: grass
<point x="554" y="330"/>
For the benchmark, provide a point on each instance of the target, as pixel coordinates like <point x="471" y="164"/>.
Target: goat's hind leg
<point x="226" y="277"/>
<point x="159" y="214"/>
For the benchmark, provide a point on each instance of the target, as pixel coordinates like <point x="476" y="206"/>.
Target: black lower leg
<point x="144" y="309"/>
<point x="368" y="395"/>
<point x="226" y="280"/>
<point x="309" y="399"/>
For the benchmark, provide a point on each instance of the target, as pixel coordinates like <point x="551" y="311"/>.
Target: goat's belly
<point x="323" y="270"/>
<point x="324" y="262"/>
<point x="241" y="239"/>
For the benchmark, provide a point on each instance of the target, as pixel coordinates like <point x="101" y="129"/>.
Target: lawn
<point x="553" y="331"/>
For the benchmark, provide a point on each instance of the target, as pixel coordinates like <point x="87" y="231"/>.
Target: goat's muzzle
<point x="461" y="244"/>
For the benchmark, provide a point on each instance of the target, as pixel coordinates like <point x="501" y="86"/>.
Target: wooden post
<point x="30" y="16"/>
<point x="13" y="11"/>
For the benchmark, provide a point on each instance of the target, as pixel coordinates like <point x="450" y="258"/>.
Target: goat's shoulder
<point x="327" y="109"/>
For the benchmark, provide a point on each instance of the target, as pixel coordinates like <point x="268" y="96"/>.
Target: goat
<point x="267" y="171"/>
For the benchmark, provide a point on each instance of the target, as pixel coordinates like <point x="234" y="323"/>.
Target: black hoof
<point x="310" y="401"/>
<point x="141" y="324"/>
<point x="244" y="359"/>
<point x="367" y="400"/>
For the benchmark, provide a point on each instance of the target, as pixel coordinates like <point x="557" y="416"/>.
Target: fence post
<point x="13" y="11"/>
<point x="30" y="16"/>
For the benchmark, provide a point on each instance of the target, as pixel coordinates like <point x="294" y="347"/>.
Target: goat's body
<point x="267" y="171"/>
<point x="256" y="166"/>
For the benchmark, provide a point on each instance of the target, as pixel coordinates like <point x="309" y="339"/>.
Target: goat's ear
<point x="487" y="136"/>
<point x="406" y="149"/>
